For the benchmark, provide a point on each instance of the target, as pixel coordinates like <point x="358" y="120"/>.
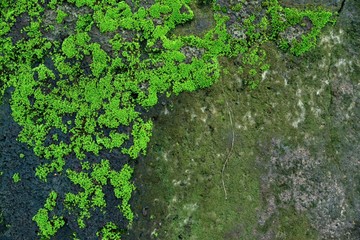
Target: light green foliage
<point x="53" y="3"/>
<point x="16" y="177"/>
<point x="74" y="236"/>
<point x="33" y="30"/>
<point x="237" y="7"/>
<point x="141" y="136"/>
<point x="283" y="44"/>
<point x="123" y="189"/>
<point x="252" y="72"/>
<point x="84" y="23"/>
<point x="264" y="23"/>
<point x="42" y="171"/>
<point x="109" y="232"/>
<point x="100" y="60"/>
<point x="283" y="18"/>
<point x="265" y="67"/>
<point x="81" y="3"/>
<point x="82" y="200"/>
<point x="82" y="39"/>
<point x="93" y="195"/>
<point x="48" y="227"/>
<point x="6" y="48"/>
<point x="61" y="15"/>
<point x="43" y="72"/>
<point x="51" y="201"/>
<point x="157" y="9"/>
<point x="69" y="48"/>
<point x="319" y="19"/>
<point x="101" y="171"/>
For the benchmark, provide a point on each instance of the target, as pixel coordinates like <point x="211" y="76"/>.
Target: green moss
<point x="69" y="48"/>
<point x="48" y="227"/>
<point x="292" y="16"/>
<point x="123" y="189"/>
<point x="53" y="3"/>
<point x="294" y="226"/>
<point x="16" y="177"/>
<point x="237" y="7"/>
<point x="61" y="15"/>
<point x="106" y="103"/>
<point x="100" y="60"/>
<point x="109" y="232"/>
<point x="92" y="195"/>
<point x="84" y="23"/>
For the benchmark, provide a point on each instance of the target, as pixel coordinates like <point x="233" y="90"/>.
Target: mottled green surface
<point x="291" y="147"/>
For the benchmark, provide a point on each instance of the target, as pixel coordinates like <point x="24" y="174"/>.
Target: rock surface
<point x="291" y="147"/>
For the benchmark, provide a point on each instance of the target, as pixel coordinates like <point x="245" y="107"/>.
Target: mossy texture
<point x="88" y="89"/>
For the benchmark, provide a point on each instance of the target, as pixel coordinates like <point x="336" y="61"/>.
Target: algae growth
<point x="82" y="76"/>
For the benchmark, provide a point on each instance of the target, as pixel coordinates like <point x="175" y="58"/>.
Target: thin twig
<point x="229" y="152"/>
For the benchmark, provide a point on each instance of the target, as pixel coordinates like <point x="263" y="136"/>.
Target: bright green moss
<point x="237" y="7"/>
<point x="157" y="9"/>
<point x="61" y="15"/>
<point x="42" y="171"/>
<point x="69" y="48"/>
<point x="264" y="23"/>
<point x="53" y="3"/>
<point x="81" y="3"/>
<point x="51" y="201"/>
<point x="16" y="177"/>
<point x="109" y="232"/>
<point x="101" y="171"/>
<point x="82" y="40"/>
<point x="252" y="72"/>
<point x="123" y="189"/>
<point x="292" y="16"/>
<point x="100" y="60"/>
<point x="92" y="195"/>
<point x="141" y="134"/>
<point x="265" y="67"/>
<point x="48" y="227"/>
<point x="33" y="30"/>
<point x="84" y="23"/>
<point x="43" y="72"/>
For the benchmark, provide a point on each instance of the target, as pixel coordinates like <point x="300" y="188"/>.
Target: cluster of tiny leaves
<point x="92" y="195"/>
<point x="283" y="18"/>
<point x="109" y="232"/>
<point x="48" y="226"/>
